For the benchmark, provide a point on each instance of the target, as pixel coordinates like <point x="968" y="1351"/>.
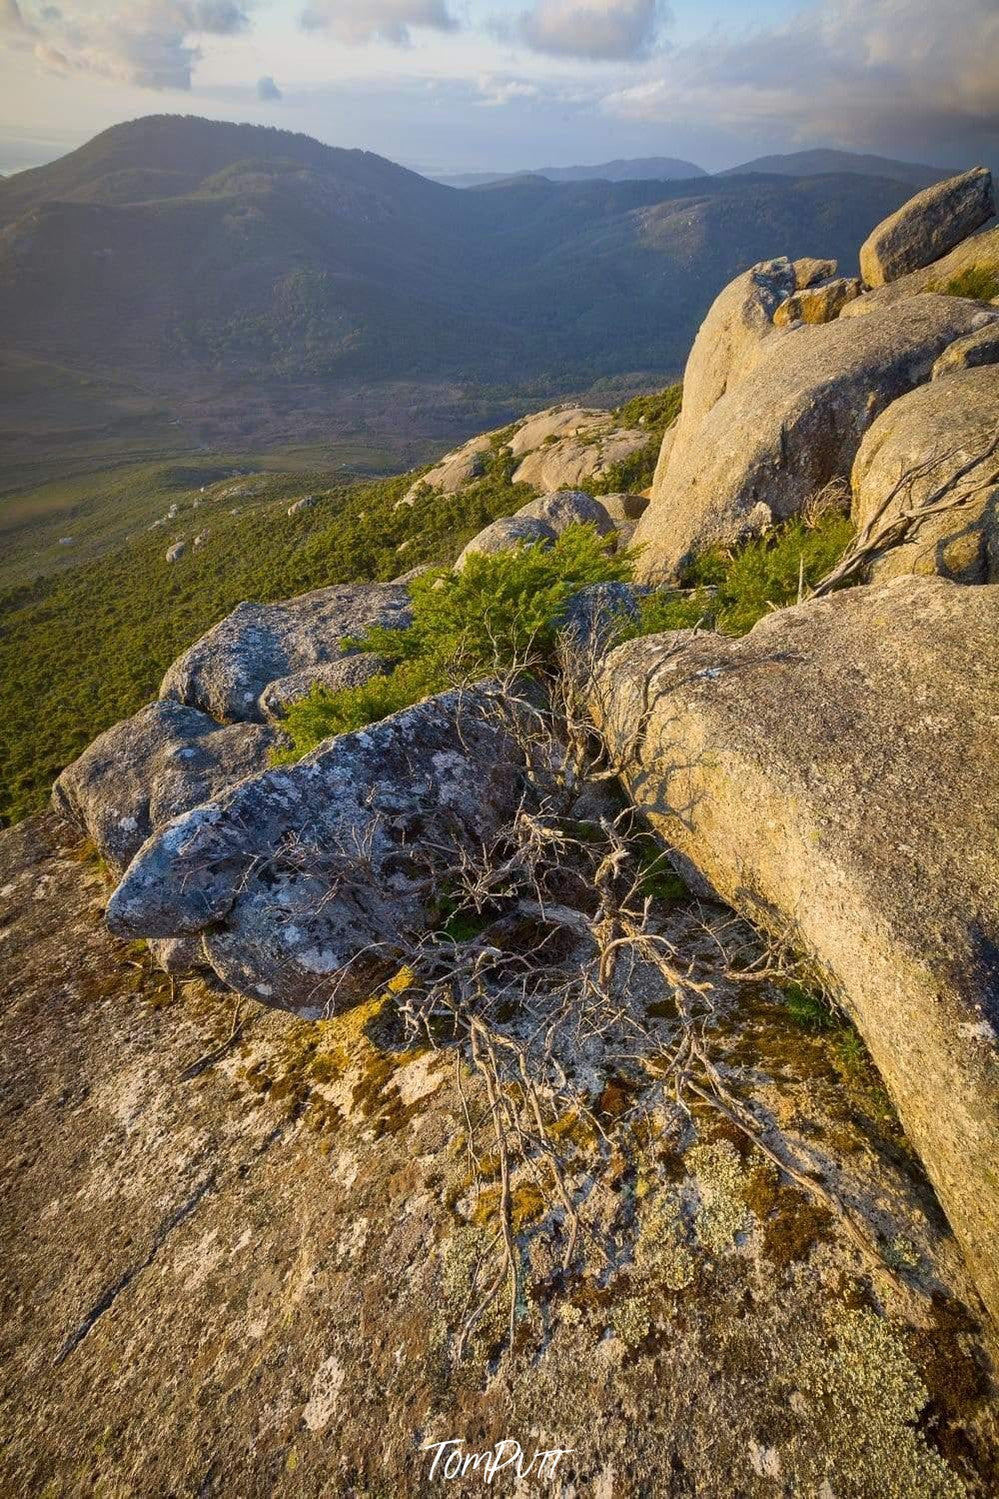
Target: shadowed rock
<point x="225" y="672"/>
<point x="970" y="352"/>
<point x="793" y="423"/>
<point x="142" y="772"/>
<point x="932" y="434"/>
<point x="927" y="226"/>
<point x="349" y="671"/>
<point x="306" y="880"/>
<point x="834" y="775"/>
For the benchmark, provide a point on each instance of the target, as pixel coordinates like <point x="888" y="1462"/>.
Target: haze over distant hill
<point x="635" y="169"/>
<point x="177" y="255"/>
<point x="823" y="161"/>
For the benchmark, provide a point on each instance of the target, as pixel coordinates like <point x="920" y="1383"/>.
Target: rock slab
<point x="834" y="774"/>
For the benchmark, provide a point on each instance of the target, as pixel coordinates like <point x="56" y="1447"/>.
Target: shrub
<point x="499" y="610"/>
<point x="981" y="282"/>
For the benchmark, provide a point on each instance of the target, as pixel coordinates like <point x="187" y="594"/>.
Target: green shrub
<point x="501" y="609"/>
<point x="980" y="282"/>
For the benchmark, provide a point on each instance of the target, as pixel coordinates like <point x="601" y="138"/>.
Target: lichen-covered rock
<point x="792" y="424"/>
<point x="142" y="772"/>
<point x="506" y="533"/>
<point x="927" y="226"/>
<point x="971" y="351"/>
<point x="175" y="552"/>
<point x="571" y="460"/>
<point x="225" y="672"/>
<point x="809" y="271"/>
<point x="834" y="775"/>
<point x="931" y="434"/>
<point x="192" y="1189"/>
<point x="568" y="507"/>
<point x="306" y="879"/>
<point x="817" y="304"/>
<point x="728" y="345"/>
<point x="349" y="671"/>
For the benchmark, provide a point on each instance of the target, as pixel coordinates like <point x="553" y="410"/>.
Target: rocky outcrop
<point x="934" y="435"/>
<point x="727" y="347"/>
<point x="554" y="424"/>
<point x="142" y="772"/>
<point x="817" y="304"/>
<point x="927" y="226"/>
<point x="978" y="253"/>
<point x="834" y="775"/>
<point x="572" y="460"/>
<point x="306" y="880"/>
<point x="970" y="352"/>
<point x="809" y="271"/>
<point x="793" y="423"/>
<point x="307" y="502"/>
<point x="349" y="671"/>
<point x="227" y="670"/>
<point x="504" y="534"/>
<point x="455" y="470"/>
<point x="175" y="552"/>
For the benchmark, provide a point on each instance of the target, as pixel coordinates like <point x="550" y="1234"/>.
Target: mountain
<point x="823" y="161"/>
<point x="635" y="169"/>
<point x="186" y="259"/>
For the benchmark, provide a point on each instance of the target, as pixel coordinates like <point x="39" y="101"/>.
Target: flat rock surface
<point x="241" y="1270"/>
<point x="834" y="772"/>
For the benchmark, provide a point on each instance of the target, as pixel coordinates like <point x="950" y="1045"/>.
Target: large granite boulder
<point x="793" y="423"/>
<point x="927" y="226"/>
<point x="568" y="507"/>
<point x="834" y="775"/>
<point x="933" y="434"/>
<point x="455" y="469"/>
<point x="333" y="676"/>
<point x="307" y="880"/>
<point x="978" y="253"/>
<point x="554" y="424"/>
<point x="226" y="671"/>
<point x="142" y="772"/>
<point x="506" y="533"/>
<point x="728" y="345"/>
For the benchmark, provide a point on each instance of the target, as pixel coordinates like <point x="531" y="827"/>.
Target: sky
<point x="447" y="86"/>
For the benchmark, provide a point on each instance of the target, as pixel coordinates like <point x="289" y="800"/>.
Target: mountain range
<point x="172" y="253"/>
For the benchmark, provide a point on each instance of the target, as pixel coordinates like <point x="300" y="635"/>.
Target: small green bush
<point x="981" y="282"/>
<point x="499" y="610"/>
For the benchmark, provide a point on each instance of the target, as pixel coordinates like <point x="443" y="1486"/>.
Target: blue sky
<point x="460" y="85"/>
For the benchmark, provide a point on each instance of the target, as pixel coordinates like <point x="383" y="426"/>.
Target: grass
<point x="980" y="282"/>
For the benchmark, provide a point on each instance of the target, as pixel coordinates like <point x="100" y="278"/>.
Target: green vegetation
<point x="498" y="611"/>
<point x="980" y="282"/>
<point x="635" y="473"/>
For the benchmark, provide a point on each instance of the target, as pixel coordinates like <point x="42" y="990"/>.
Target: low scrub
<point x="980" y="282"/>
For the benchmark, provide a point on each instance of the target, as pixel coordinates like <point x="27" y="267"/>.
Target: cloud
<point x="144" y="42"/>
<point x="356" y="21"/>
<point x="495" y="92"/>
<point x="268" y="90"/>
<point x="905" y="75"/>
<point x="599" y="29"/>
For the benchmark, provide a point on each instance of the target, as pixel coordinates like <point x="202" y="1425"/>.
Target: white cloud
<point x="495" y="92"/>
<point x="267" y="90"/>
<point x="144" y="42"/>
<point x="357" y="21"/>
<point x="599" y="29"/>
<point x="905" y="75"/>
